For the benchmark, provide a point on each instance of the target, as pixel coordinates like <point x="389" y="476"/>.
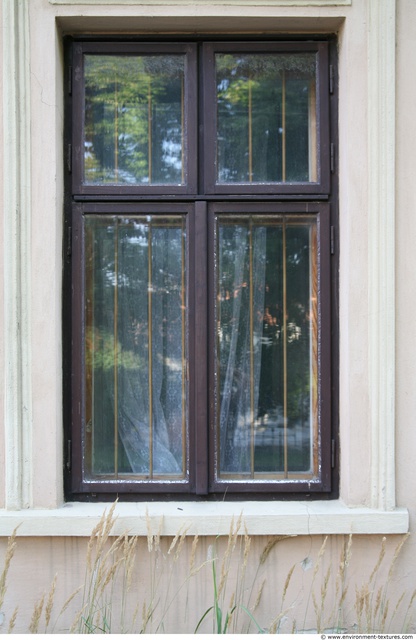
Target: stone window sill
<point x="208" y="518"/>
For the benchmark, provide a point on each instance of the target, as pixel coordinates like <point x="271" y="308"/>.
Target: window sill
<point x="213" y="518"/>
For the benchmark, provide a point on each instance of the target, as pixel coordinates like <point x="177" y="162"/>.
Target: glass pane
<point x="135" y="395"/>
<point x="134" y="119"/>
<point x="267" y="346"/>
<point x="266" y="118"/>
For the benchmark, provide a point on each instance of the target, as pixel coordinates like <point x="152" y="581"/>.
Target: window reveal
<point x="138" y="268"/>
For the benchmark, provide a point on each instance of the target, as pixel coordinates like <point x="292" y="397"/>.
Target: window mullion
<point x="199" y="371"/>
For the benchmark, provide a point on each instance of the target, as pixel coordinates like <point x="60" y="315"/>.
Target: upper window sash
<point x="136" y="104"/>
<point x="266" y="116"/>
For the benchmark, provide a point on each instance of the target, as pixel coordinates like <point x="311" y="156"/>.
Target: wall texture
<point x="377" y="160"/>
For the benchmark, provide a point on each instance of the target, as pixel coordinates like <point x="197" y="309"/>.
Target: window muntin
<point x="291" y="423"/>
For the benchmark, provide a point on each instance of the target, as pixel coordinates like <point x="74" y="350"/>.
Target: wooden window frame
<point x="322" y="185"/>
<point x="200" y="198"/>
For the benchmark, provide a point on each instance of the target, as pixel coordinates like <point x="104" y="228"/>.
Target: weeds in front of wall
<point x="134" y="588"/>
<point x="226" y="616"/>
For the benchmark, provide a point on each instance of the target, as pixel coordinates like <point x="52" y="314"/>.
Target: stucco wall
<point x="31" y="478"/>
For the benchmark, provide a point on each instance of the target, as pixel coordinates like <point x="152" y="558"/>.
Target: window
<point x="200" y="224"/>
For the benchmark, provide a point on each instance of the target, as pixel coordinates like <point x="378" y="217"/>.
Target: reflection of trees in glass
<point x="263" y="104"/>
<point x="133" y="119"/>
<point x="285" y="287"/>
<point x="297" y="324"/>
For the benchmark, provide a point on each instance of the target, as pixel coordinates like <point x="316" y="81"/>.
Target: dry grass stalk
<point x="277" y="619"/>
<point x="12" y="622"/>
<point x="231" y="541"/>
<point x="247" y="545"/>
<point x="319" y="558"/>
<point x="76" y="622"/>
<point x="181" y="543"/>
<point x="324" y="591"/>
<point x="270" y="545"/>
<point x="11" y="546"/>
<point x="99" y="536"/>
<point x="69" y="600"/>
<point x="396" y="554"/>
<point x="149" y="532"/>
<point x="384" y="618"/>
<point x="407" y="612"/>
<point x="36" y="615"/>
<point x="49" y="602"/>
<point x="129" y="556"/>
<point x="397" y="607"/>
<point x="311" y="591"/>
<point x="380" y="559"/>
<point x="193" y="554"/>
<point x="362" y="606"/>
<point x="110" y="563"/>
<point x="259" y="595"/>
<point x="287" y="582"/>
<point x="378" y="601"/>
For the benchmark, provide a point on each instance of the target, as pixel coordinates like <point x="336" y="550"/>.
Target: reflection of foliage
<point x="250" y="92"/>
<point x="133" y="120"/>
<point x="269" y="308"/>
<point x="301" y="64"/>
<point x="103" y="352"/>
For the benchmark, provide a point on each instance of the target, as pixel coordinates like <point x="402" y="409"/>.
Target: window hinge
<point x="69" y="243"/>
<point x="333" y="453"/>
<point x="332" y="240"/>
<point x="332" y="156"/>
<point x="69" y="158"/>
<point x="331" y="78"/>
<point x="70" y="80"/>
<point x="69" y="455"/>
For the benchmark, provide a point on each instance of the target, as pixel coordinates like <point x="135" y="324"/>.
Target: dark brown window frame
<point x="200" y="204"/>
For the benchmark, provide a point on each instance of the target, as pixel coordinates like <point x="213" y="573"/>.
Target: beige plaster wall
<point x="406" y="255"/>
<point x="405" y="274"/>
<point x="46" y="133"/>
<point x="38" y="559"/>
<point x="1" y="283"/>
<point x="180" y="598"/>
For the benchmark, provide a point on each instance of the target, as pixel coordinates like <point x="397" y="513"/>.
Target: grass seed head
<point x="12" y="622"/>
